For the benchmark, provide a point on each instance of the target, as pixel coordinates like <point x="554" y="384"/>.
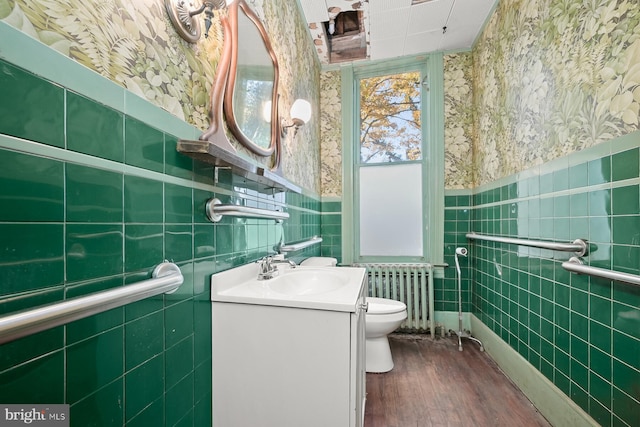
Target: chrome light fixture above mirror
<point x="183" y="15"/>
<point x="300" y="115"/>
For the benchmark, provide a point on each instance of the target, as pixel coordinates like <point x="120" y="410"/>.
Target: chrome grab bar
<point x="575" y="265"/>
<point x="300" y="245"/>
<point x="579" y="246"/>
<point x="216" y="210"/>
<point x="166" y="278"/>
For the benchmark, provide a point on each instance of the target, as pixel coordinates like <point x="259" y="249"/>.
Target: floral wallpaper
<point x="545" y="79"/>
<point x="331" y="134"/>
<point x="458" y="124"/>
<point x="131" y="43"/>
<point x="134" y="44"/>
<point x="553" y="77"/>
<point x="299" y="78"/>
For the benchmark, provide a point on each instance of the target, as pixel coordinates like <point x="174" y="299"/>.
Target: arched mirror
<point x="245" y="91"/>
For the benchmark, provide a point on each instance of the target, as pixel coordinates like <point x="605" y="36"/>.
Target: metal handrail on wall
<point x="166" y="278"/>
<point x="575" y="265"/>
<point x="300" y="245"/>
<point x="579" y="246"/>
<point x="216" y="210"/>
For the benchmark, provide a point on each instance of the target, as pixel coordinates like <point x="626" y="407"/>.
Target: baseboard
<point x="449" y="320"/>
<point x="550" y="401"/>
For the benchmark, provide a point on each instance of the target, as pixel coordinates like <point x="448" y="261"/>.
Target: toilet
<point x="319" y="261"/>
<point x="383" y="317"/>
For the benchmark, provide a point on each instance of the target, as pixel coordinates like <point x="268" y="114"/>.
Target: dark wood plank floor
<point x="434" y="384"/>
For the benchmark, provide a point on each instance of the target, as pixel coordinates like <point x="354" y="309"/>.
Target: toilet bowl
<point x="319" y="261"/>
<point x="383" y="317"/>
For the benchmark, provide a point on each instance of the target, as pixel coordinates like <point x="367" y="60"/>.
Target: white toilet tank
<point x="319" y="261"/>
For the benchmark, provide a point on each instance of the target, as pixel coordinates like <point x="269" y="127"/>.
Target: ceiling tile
<point x="387" y="48"/>
<point x="429" y="41"/>
<point x="315" y="10"/>
<point x="429" y="16"/>
<point x="392" y="23"/>
<point x="466" y="21"/>
<point x="378" y="6"/>
<point x="394" y="28"/>
<point x="471" y="14"/>
<point x="457" y="38"/>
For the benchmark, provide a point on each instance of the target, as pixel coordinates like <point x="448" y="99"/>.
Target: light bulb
<point x="301" y="111"/>
<point x="266" y="111"/>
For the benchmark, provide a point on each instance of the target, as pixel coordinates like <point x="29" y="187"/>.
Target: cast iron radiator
<point x="410" y="283"/>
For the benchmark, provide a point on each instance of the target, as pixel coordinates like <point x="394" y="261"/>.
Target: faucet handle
<point x="266" y="268"/>
<point x="265" y="264"/>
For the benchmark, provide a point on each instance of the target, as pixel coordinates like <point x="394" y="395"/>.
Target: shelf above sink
<point x="257" y="178"/>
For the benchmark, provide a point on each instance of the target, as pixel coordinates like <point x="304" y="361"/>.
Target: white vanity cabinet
<point x="287" y="366"/>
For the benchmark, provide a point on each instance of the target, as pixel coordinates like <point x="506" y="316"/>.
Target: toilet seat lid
<point x="384" y="306"/>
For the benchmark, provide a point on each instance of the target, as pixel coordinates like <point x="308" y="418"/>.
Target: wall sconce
<point x="183" y="15"/>
<point x="300" y="114"/>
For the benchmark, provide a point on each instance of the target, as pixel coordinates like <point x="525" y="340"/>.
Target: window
<point x="390" y="118"/>
<point x="390" y="198"/>
<point x="393" y="186"/>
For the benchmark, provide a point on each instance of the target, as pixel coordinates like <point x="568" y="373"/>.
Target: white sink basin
<point x="324" y="288"/>
<point x="307" y="282"/>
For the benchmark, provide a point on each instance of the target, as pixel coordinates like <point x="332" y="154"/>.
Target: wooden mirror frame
<point x="222" y="92"/>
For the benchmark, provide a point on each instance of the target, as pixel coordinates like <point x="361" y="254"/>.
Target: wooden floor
<point x="434" y="384"/>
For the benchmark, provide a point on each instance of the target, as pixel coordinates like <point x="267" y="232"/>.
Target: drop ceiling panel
<point x="429" y="41"/>
<point x="394" y="28"/>
<point x="391" y="23"/>
<point x="429" y="16"/>
<point x="378" y="6"/>
<point x="457" y="38"/>
<point x="464" y="27"/>
<point x="387" y="48"/>
<point x="470" y="14"/>
<point x="315" y="10"/>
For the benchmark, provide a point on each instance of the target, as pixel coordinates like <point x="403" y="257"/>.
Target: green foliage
<point x="390" y="125"/>
<point x="553" y="77"/>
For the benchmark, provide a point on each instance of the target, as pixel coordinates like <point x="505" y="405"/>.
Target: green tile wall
<point x="582" y="333"/>
<point x="331" y="229"/>
<point x="73" y="224"/>
<point x="457" y="223"/>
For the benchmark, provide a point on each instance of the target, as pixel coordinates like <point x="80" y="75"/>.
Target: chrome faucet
<point x="291" y="262"/>
<point x="268" y="268"/>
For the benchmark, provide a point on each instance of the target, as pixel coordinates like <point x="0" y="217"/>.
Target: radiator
<point x="410" y="283"/>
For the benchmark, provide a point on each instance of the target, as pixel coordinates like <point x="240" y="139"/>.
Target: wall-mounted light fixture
<point x="183" y="15"/>
<point x="300" y="114"/>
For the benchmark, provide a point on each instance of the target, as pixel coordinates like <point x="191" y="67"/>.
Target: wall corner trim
<point x="550" y="401"/>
